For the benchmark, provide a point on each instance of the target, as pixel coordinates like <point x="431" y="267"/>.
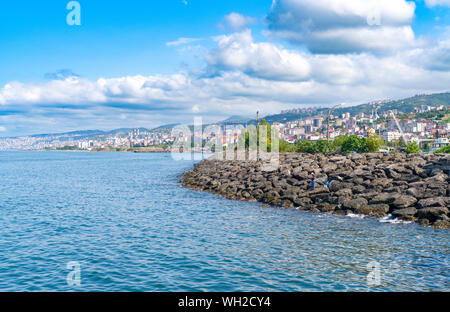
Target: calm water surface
<point x="125" y="219"/>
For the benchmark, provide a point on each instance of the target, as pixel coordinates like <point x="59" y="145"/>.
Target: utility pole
<point x="328" y="120"/>
<point x="257" y="135"/>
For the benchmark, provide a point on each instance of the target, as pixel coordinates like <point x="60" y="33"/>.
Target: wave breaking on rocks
<point x="411" y="188"/>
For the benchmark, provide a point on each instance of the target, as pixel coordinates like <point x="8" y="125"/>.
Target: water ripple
<point x="125" y="219"/>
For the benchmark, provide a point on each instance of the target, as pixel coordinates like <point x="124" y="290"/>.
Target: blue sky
<point x="116" y="38"/>
<point x="127" y="64"/>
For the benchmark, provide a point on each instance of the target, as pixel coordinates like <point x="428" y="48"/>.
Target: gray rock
<point x="404" y="201"/>
<point x="401" y="213"/>
<point x="344" y="192"/>
<point x="355" y="203"/>
<point x="431" y="202"/>
<point x="432" y="213"/>
<point x="384" y="198"/>
<point x="442" y="225"/>
<point x="374" y="210"/>
<point x="302" y="201"/>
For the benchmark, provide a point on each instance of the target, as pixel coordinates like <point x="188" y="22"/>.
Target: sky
<point x="147" y="63"/>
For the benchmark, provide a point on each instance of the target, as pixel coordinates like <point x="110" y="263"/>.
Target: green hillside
<point x="405" y="106"/>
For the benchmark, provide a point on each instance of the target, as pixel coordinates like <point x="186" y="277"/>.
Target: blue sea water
<point x="125" y="219"/>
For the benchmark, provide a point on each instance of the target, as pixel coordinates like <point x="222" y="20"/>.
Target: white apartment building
<point x="392" y="135"/>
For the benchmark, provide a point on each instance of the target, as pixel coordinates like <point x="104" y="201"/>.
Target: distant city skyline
<point x="149" y="63"/>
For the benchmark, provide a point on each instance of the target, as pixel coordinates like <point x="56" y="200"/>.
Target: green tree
<point x="245" y="135"/>
<point x="374" y="143"/>
<point x="304" y="146"/>
<point x="401" y="142"/>
<point x="286" y="147"/>
<point x="320" y="146"/>
<point x="412" y="148"/>
<point x="337" y="142"/>
<point x="356" y="144"/>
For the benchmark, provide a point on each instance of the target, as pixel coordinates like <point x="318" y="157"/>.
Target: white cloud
<point x="2" y="129"/>
<point x="239" y="52"/>
<point x="344" y="26"/>
<point x="241" y="76"/>
<point x="235" y="21"/>
<point x="432" y="3"/>
<point x="181" y="41"/>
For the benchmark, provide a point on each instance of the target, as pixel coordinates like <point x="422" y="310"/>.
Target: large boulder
<point x="432" y="213"/>
<point x="355" y="203"/>
<point x="432" y="202"/>
<point x="404" y="201"/>
<point x="442" y="225"/>
<point x="404" y="213"/>
<point x="300" y="173"/>
<point x="384" y="198"/>
<point x="302" y="201"/>
<point x="379" y="210"/>
<point x="344" y="192"/>
<point x="381" y="182"/>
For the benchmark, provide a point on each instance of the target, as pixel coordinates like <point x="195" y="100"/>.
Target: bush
<point x="356" y="144"/>
<point x="304" y="146"/>
<point x="443" y="150"/>
<point x="320" y="146"/>
<point x="286" y="147"/>
<point x="374" y="143"/>
<point x="412" y="148"/>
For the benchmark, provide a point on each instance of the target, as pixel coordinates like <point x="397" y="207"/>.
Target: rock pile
<point x="408" y="187"/>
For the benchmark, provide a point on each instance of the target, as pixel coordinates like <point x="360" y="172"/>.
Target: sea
<point x="82" y="221"/>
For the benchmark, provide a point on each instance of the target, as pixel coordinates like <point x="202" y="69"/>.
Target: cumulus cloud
<point x="241" y="75"/>
<point x="236" y="22"/>
<point x="436" y="58"/>
<point x="264" y="60"/>
<point x="344" y="26"/>
<point x="432" y="3"/>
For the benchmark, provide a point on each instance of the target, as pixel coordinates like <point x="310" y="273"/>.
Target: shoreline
<point x="410" y="188"/>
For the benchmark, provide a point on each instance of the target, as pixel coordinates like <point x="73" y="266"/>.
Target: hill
<point x="404" y="106"/>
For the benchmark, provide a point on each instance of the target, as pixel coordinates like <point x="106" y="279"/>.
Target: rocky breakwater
<point x="406" y="187"/>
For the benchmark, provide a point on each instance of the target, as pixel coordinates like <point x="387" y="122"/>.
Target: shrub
<point x="374" y="143"/>
<point x="443" y="150"/>
<point x="412" y="148"/>
<point x="320" y="146"/>
<point x="286" y="147"/>
<point x="356" y="144"/>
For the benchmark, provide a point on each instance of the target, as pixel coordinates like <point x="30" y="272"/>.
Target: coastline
<point x="410" y="188"/>
<point x="131" y="150"/>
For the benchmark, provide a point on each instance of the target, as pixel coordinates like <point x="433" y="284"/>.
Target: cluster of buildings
<point x="432" y="133"/>
<point x="426" y="108"/>
<point x="422" y="131"/>
<point x="134" y="138"/>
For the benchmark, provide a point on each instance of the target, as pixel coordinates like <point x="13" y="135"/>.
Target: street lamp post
<point x="328" y="120"/>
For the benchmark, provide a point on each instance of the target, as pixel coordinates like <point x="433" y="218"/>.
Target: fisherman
<point x="313" y="182"/>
